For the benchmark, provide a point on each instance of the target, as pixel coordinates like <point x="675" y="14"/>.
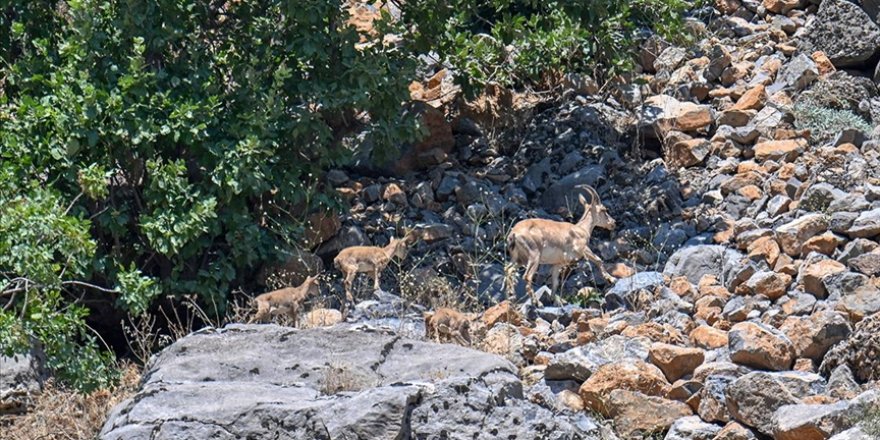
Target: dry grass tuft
<point x="63" y="414"/>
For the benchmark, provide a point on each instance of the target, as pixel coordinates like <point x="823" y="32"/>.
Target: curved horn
<point x="593" y="194"/>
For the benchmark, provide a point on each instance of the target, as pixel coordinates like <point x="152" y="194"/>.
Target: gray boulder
<point x="844" y="31"/>
<point x="21" y="377"/>
<point x="692" y="428"/>
<point x="562" y="196"/>
<point x="753" y="398"/>
<point x="695" y="261"/>
<point x="267" y="381"/>
<point x="581" y="362"/>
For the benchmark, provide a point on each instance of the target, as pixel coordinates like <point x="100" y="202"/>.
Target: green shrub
<point x="518" y="42"/>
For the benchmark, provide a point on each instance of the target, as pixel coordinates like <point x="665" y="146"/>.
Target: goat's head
<point x="311" y="283"/>
<point x="401" y="249"/>
<point x="595" y="208"/>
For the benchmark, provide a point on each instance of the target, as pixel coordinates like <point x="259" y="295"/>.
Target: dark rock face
<point x="844" y="31"/>
<point x="860" y="352"/>
<point x="247" y="381"/>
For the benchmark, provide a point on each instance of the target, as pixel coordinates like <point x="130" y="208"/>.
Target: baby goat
<point x="446" y="324"/>
<point x="287" y="301"/>
<point x="357" y="259"/>
<point x="533" y="242"/>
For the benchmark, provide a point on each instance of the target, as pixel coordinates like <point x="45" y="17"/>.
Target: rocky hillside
<point x="742" y="171"/>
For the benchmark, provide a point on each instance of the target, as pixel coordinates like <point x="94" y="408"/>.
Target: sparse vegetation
<point x="60" y="412"/>
<point x="826" y="122"/>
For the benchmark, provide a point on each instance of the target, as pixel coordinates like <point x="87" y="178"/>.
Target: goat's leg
<point x="531" y="268"/>
<point x="376" y="278"/>
<point x="598" y="262"/>
<point x="556" y="272"/>
<point x="262" y="312"/>
<point x="349" y="280"/>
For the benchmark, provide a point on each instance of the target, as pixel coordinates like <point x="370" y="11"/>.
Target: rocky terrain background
<point x="743" y="175"/>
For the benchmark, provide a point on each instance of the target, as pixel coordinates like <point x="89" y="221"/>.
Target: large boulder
<point x="251" y="381"/>
<point x="812" y="336"/>
<point x="581" y="362"/>
<point x="819" y="422"/>
<point x="752" y="399"/>
<point x="630" y="375"/>
<point x="860" y="351"/>
<point x="759" y="346"/>
<point x="695" y="261"/>
<point x="21" y="378"/>
<point x="844" y="31"/>
<point x="636" y="415"/>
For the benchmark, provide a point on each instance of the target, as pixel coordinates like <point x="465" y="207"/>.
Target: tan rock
<point x="773" y="285"/>
<point x="630" y="375"/>
<point x="804" y="365"/>
<point x="675" y="362"/>
<point x="759" y="346"/>
<point x="792" y="235"/>
<point x="708" y="338"/>
<point x="752" y="100"/>
<point x="678" y="115"/>
<point x="664" y="333"/>
<point x="814" y="335"/>
<point x="687" y="153"/>
<point x="394" y="194"/>
<point x="824" y="244"/>
<point x="813" y="274"/>
<point x="571" y="400"/>
<point x="734" y="431"/>
<point x="823" y="64"/>
<point x="765" y="248"/>
<point x="637" y="415"/>
<point x="736" y="117"/>
<point x="779" y="150"/>
<point x="751" y="192"/>
<point x="501" y="312"/>
<point x="781" y="6"/>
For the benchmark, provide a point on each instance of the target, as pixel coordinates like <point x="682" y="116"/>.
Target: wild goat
<point x="446" y="324"/>
<point x="357" y="259"/>
<point x="287" y="301"/>
<point x="534" y="242"/>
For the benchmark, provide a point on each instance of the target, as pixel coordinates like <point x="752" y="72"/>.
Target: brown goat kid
<point x="285" y="302"/>
<point x="446" y="324"/>
<point x="534" y="242"/>
<point x="367" y="259"/>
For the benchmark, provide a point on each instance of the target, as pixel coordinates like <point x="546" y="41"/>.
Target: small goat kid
<point x="287" y="301"/>
<point x="446" y="324"/>
<point x="360" y="259"/>
<point x="534" y="242"/>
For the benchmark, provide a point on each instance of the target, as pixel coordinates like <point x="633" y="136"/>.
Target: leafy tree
<point x="170" y="146"/>
<point x="522" y="42"/>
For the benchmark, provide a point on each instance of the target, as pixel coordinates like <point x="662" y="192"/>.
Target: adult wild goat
<point x="534" y="242"/>
<point x="287" y="301"/>
<point x="373" y="259"/>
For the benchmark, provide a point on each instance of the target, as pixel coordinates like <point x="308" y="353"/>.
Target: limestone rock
<point x="758" y="346"/>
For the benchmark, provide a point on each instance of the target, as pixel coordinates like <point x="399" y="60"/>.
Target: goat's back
<point x="554" y="241"/>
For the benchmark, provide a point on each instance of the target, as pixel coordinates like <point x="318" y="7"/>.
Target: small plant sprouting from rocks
<point x="871" y="422"/>
<point x="340" y="377"/>
<point x="825" y="122"/>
